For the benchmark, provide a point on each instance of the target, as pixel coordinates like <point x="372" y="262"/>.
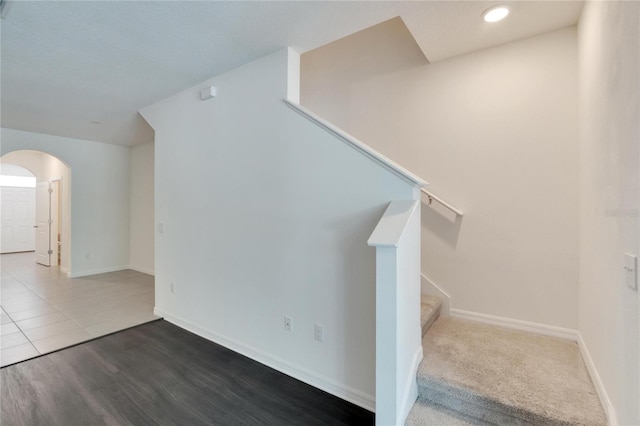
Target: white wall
<point x="9" y="169"/>
<point x="266" y="214"/>
<point x="495" y="134"/>
<point x="609" y="312"/>
<point x="46" y="168"/>
<point x="99" y="197"/>
<point x="141" y="246"/>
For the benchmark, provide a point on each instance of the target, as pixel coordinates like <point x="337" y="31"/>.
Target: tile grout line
<point x="136" y="288"/>
<point x="31" y="342"/>
<point x="51" y="305"/>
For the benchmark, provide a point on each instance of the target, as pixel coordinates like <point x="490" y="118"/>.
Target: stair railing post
<point x="398" y="336"/>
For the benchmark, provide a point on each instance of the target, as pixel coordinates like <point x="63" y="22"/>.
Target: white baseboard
<point x="597" y="382"/>
<point x="427" y="286"/>
<point x="143" y="270"/>
<point x="340" y="390"/>
<point x="411" y="386"/>
<point x="78" y="274"/>
<point x="531" y="327"/>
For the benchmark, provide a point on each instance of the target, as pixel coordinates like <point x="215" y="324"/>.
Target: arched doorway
<point x="45" y="203"/>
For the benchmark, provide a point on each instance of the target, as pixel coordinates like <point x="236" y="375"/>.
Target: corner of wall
<point x="293" y="76"/>
<point x="597" y="382"/>
<point x="428" y="287"/>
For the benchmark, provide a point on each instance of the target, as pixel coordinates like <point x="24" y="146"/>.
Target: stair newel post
<point x="398" y="337"/>
<point x="386" y="336"/>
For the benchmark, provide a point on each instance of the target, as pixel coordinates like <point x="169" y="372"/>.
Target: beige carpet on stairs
<point x="429" y="311"/>
<point x="425" y="413"/>
<point x="502" y="376"/>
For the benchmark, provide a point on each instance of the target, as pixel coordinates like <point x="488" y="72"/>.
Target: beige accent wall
<point x="496" y="134"/>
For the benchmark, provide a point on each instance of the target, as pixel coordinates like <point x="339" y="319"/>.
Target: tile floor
<point x="42" y="310"/>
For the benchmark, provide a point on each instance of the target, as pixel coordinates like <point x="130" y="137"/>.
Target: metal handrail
<point x="432" y="197"/>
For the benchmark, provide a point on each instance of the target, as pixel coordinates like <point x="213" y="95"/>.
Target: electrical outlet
<point x="288" y="323"/>
<point x="172" y="288"/>
<point x="631" y="271"/>
<point x="317" y="332"/>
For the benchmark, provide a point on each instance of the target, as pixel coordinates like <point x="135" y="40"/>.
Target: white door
<point x="18" y="217"/>
<point x="43" y="223"/>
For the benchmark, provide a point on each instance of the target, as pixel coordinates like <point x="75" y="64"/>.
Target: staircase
<point x="477" y="374"/>
<point x="429" y="312"/>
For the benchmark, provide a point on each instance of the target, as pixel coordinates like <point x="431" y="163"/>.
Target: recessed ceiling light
<point x="495" y="14"/>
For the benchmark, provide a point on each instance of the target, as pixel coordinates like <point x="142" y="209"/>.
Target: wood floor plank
<point x="159" y="374"/>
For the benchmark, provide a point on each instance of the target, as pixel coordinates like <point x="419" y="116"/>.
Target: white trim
<point x="427" y="286"/>
<point x="411" y="386"/>
<point x="393" y="224"/>
<point x="340" y="390"/>
<point x="143" y="270"/>
<point x="531" y="327"/>
<point x="97" y="271"/>
<point x="293" y="76"/>
<point x="358" y="145"/>
<point x="431" y="196"/>
<point x="597" y="382"/>
<point x="64" y="271"/>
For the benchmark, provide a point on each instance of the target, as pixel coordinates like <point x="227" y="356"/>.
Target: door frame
<point x="55" y="214"/>
<point x="53" y="221"/>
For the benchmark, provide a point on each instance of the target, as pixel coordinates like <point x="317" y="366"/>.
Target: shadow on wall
<point x="444" y="223"/>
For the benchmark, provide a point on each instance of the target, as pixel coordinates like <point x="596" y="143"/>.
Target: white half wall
<point x="99" y="197"/>
<point x="609" y="311"/>
<point x="141" y="230"/>
<point x="265" y="214"/>
<point x="495" y="133"/>
<point x="398" y="334"/>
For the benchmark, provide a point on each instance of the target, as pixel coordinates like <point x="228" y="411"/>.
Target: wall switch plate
<point x="288" y="323"/>
<point x="317" y="332"/>
<point x="160" y="228"/>
<point x="631" y="271"/>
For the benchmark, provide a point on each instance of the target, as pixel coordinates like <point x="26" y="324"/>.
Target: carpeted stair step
<point x="426" y="413"/>
<point x="502" y="376"/>
<point x="429" y="311"/>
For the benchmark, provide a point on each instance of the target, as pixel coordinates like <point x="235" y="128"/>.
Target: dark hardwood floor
<point x="160" y="374"/>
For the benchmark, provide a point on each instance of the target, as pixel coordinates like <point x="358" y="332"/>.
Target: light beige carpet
<point x="425" y="413"/>
<point x="429" y="311"/>
<point x="503" y="376"/>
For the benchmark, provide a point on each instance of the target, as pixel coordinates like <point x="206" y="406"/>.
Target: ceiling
<point x="83" y="69"/>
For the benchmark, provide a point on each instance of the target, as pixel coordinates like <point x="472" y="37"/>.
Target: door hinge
<point x="50" y="221"/>
<point x="50" y="252"/>
<point x="50" y="190"/>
